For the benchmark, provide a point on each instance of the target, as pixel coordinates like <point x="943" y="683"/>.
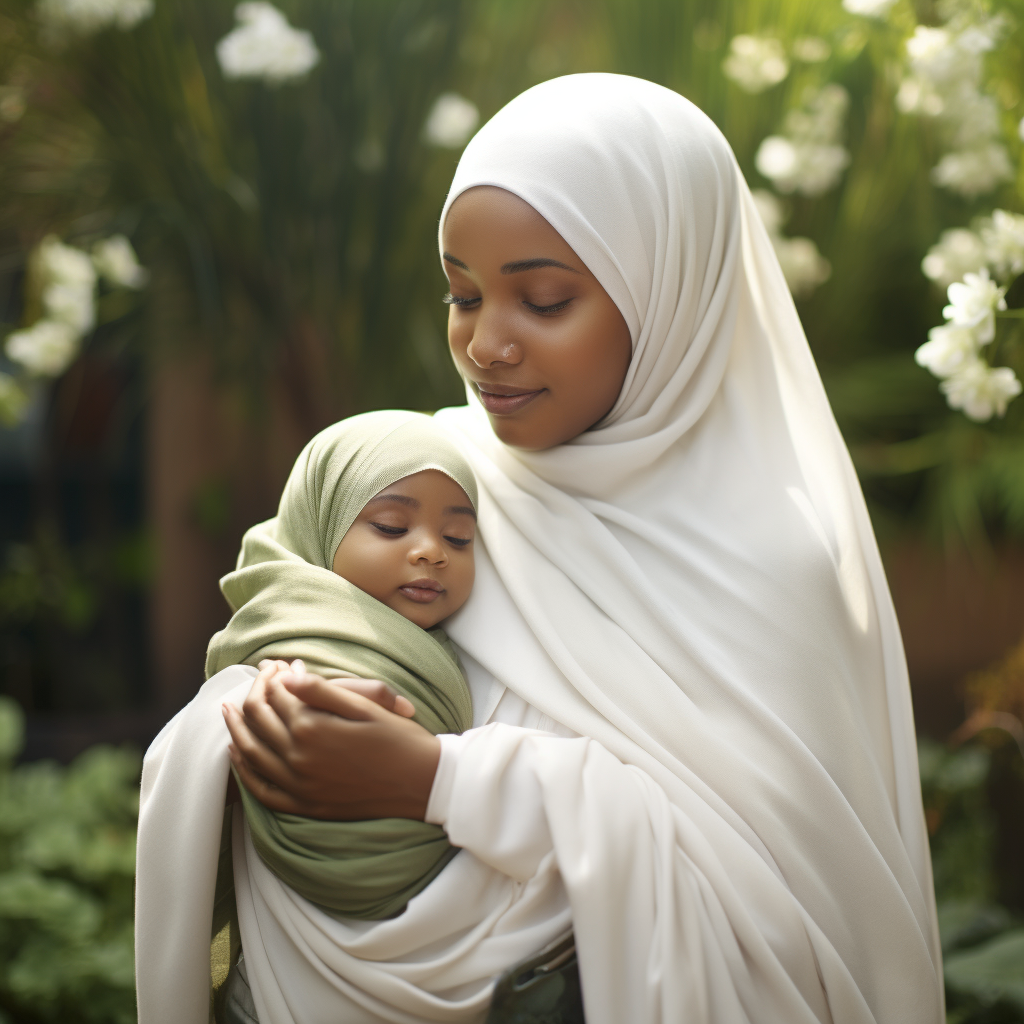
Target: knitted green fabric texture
<point x="288" y="604"/>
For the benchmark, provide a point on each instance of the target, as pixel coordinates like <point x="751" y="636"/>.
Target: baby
<point x="371" y="548"/>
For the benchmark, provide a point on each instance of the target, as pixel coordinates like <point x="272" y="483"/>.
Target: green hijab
<point x="288" y="604"/>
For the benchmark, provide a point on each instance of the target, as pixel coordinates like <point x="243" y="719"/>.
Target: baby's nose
<point x="429" y="549"/>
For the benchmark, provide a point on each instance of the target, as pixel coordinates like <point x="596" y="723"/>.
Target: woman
<point x="677" y="569"/>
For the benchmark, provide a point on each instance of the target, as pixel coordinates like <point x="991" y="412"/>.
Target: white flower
<point x="803" y="266"/>
<point x="981" y="37"/>
<point x="451" y="121"/>
<point x="819" y="118"/>
<point x="770" y="210"/>
<point x="973" y="302"/>
<point x="1020" y="130"/>
<point x="265" y="46"/>
<point x="45" y="349"/>
<point x="948" y="350"/>
<point x="807" y="156"/>
<point x="973" y="117"/>
<point x="945" y="81"/>
<point x="13" y="400"/>
<point x="918" y="96"/>
<point x="116" y="262"/>
<point x="84" y="17"/>
<point x="1003" y="236"/>
<point x="868" y="8"/>
<point x="755" y="63"/>
<point x="68" y="280"/>
<point x="70" y="304"/>
<point x="800" y="167"/>
<point x="934" y="56"/>
<point x="64" y="264"/>
<point x="981" y="391"/>
<point x="776" y="158"/>
<point x="957" y="252"/>
<point x="811" y="49"/>
<point x="974" y="172"/>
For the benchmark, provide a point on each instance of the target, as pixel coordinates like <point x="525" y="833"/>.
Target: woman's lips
<point x="502" y="400"/>
<point x="422" y="591"/>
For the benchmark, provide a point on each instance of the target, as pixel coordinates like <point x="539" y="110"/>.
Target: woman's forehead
<point x="490" y="228"/>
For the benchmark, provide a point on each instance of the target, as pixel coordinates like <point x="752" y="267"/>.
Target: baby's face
<point x="411" y="548"/>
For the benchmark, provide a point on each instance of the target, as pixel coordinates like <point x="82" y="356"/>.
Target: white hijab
<point x="695" y="584"/>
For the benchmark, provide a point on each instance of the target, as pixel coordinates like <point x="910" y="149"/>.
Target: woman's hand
<point x="332" y="750"/>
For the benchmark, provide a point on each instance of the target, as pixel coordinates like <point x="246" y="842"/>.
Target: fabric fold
<point x="287" y="603"/>
<point x="694" y="585"/>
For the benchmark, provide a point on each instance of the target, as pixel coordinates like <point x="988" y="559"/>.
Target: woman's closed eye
<point x="464" y="302"/>
<point x="459" y="300"/>
<point x="555" y="307"/>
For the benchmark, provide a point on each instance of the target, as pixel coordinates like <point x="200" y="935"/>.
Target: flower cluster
<point x="996" y="242"/>
<point x="944" y="81"/>
<point x="63" y="18"/>
<point x="807" y="155"/>
<point x="66" y="279"/>
<point x="265" y="46"/>
<point x="803" y="266"/>
<point x="868" y="8"/>
<point x="451" y="121"/>
<point x="810" y="49"/>
<point x="953" y="351"/>
<point x="755" y="63"/>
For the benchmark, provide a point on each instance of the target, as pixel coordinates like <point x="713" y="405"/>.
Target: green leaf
<point x="51" y="904"/>
<point x="964" y="923"/>
<point x="965" y="769"/>
<point x="991" y="971"/>
<point x="12" y="729"/>
<point x="1015" y="293"/>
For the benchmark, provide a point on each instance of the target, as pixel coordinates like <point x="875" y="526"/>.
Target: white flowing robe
<point x="435" y="962"/>
<point x="693" y="589"/>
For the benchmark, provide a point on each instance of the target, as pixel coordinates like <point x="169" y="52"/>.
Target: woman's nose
<point x="492" y="344"/>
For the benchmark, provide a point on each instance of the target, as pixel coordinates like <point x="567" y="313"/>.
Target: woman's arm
<point x="303" y="745"/>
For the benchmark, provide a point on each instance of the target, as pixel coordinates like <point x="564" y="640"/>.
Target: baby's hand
<point x="373" y="689"/>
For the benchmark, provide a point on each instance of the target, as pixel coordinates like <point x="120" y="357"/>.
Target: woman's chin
<point x="525" y="436"/>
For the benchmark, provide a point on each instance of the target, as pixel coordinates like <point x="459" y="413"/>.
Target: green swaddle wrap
<point x="288" y="604"/>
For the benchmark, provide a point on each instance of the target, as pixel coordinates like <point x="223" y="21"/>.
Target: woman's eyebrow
<point x="454" y="261"/>
<point x="518" y="266"/>
<point x="397" y="499"/>
<point x="459" y="510"/>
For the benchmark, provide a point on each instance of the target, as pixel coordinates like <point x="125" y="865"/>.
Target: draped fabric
<point x="695" y="585"/>
<point x="693" y="589"/>
<point x="434" y="962"/>
<point x="287" y="603"/>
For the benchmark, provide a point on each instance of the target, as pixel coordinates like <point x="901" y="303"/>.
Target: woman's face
<point x="537" y="338"/>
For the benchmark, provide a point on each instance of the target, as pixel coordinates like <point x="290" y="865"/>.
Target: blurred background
<point x="218" y="235"/>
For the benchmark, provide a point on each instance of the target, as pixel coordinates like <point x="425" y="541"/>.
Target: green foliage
<point x="982" y="944"/>
<point x="67" y="862"/>
<point x="291" y="228"/>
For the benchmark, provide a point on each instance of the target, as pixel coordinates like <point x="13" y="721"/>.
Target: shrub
<point x="67" y="861"/>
